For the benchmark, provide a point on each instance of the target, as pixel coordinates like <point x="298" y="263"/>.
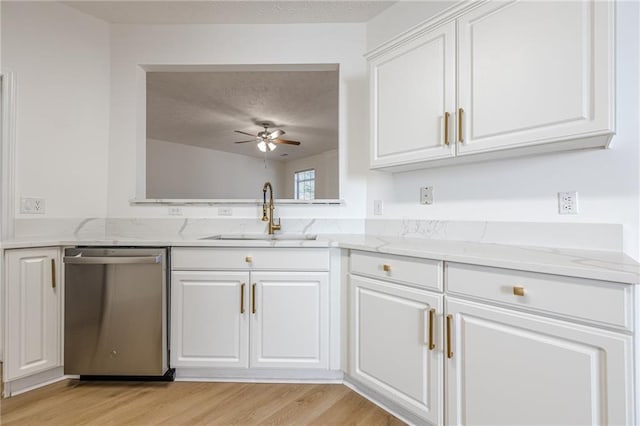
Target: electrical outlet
<point x="32" y="205"/>
<point x="426" y="195"/>
<point x="377" y="207"/>
<point x="568" y="202"/>
<point x="175" y="211"/>
<point x="225" y="211"/>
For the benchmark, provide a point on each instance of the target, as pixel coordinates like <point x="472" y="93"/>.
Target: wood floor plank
<point x="191" y="403"/>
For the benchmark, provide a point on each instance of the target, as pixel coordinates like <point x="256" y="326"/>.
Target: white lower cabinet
<point x="289" y="319"/>
<point x="513" y="368"/>
<point x="515" y="347"/>
<point x="209" y="321"/>
<point x="248" y="318"/>
<point x="396" y="344"/>
<point x="33" y="321"/>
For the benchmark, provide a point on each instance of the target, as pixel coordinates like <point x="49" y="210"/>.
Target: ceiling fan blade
<point x="276" y="133"/>
<point x="252" y="140"/>
<point x="245" y="133"/>
<point x="284" y="141"/>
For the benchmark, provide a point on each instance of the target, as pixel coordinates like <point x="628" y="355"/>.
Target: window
<point x="305" y="182"/>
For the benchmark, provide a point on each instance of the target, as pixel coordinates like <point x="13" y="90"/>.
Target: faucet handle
<point x="276" y="227"/>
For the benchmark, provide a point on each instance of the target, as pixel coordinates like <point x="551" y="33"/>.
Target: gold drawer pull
<point x="53" y="273"/>
<point x="460" y="135"/>
<point x="446" y="128"/>
<point x="248" y="259"/>
<point x="242" y="298"/>
<point x="253" y="298"/>
<point x="386" y="268"/>
<point x="432" y="320"/>
<point x="518" y="291"/>
<point x="449" y="344"/>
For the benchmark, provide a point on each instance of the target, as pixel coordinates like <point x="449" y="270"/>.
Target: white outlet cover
<point x="225" y="211"/>
<point x="174" y="211"/>
<point x="426" y="195"/>
<point x="568" y="202"/>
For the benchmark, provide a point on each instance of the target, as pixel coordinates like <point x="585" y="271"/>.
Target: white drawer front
<point x="243" y="258"/>
<point x="601" y="302"/>
<point x="425" y="273"/>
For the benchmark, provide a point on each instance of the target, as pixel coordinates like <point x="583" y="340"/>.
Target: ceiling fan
<point x="267" y="141"/>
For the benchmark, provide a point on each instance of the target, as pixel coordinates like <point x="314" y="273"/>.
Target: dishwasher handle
<point x="111" y="260"/>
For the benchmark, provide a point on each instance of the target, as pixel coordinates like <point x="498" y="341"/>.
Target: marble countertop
<point x="601" y="265"/>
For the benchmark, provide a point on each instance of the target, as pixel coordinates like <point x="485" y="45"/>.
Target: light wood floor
<point x="72" y="402"/>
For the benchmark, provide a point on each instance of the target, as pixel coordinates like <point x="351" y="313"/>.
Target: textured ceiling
<point x="231" y="12"/>
<point x="204" y="108"/>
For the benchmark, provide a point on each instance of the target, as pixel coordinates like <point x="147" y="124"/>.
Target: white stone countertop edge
<point x="598" y="265"/>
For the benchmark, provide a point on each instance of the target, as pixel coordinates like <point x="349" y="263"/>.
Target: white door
<point x="289" y="319"/>
<point x="532" y="72"/>
<point x="412" y="89"/>
<point x="33" y="317"/>
<point x="396" y="344"/>
<point x="511" y="368"/>
<point x="209" y="319"/>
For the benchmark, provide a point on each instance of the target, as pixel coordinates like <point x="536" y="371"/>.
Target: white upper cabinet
<point x="412" y="89"/>
<point x="535" y="73"/>
<point x="531" y="77"/>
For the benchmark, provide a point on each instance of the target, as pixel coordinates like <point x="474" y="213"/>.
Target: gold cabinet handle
<point x="432" y="320"/>
<point x="460" y="114"/>
<point x="248" y="259"/>
<point x="242" y="298"/>
<point x="253" y="298"/>
<point x="53" y="273"/>
<point x="449" y="344"/>
<point x="446" y="128"/>
<point x="518" y="291"/>
<point x="386" y="268"/>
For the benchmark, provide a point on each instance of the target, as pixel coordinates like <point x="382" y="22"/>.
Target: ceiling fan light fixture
<point x="272" y="146"/>
<point x="262" y="146"/>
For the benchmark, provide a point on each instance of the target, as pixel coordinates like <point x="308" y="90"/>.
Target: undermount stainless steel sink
<point x="264" y="237"/>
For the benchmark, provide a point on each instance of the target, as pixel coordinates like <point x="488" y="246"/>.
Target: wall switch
<point x="32" y="205"/>
<point x="377" y="207"/>
<point x="426" y="195"/>
<point x="225" y="211"/>
<point x="568" y="202"/>
<point x="175" y="211"/>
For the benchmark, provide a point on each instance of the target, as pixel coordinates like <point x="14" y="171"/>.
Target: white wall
<point x="132" y="45"/>
<point x="326" y="166"/>
<point x="60" y="58"/>
<point x="183" y="171"/>
<point x="525" y="189"/>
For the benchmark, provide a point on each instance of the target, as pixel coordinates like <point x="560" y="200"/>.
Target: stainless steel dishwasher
<point x="115" y="321"/>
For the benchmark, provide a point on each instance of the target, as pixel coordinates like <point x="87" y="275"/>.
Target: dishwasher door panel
<point x="115" y="319"/>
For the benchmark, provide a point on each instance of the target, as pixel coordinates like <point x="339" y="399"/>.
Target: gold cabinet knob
<point x="386" y="268"/>
<point x="518" y="291"/>
<point x="248" y="259"/>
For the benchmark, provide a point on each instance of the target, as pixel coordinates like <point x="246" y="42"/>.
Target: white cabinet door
<point x="511" y="368"/>
<point x="289" y="320"/>
<point x="209" y="319"/>
<point x="391" y="329"/>
<point x="534" y="72"/>
<point x="33" y="317"/>
<point x="412" y="87"/>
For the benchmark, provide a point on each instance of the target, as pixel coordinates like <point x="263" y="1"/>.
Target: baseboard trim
<point x="384" y="402"/>
<point x="26" y="384"/>
<point x="258" y="376"/>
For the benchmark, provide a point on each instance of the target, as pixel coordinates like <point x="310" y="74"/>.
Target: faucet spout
<point x="272" y="226"/>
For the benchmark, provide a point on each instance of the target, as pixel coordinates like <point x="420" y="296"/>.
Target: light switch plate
<point x="426" y="195"/>
<point x="377" y="207"/>
<point x="32" y="205"/>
